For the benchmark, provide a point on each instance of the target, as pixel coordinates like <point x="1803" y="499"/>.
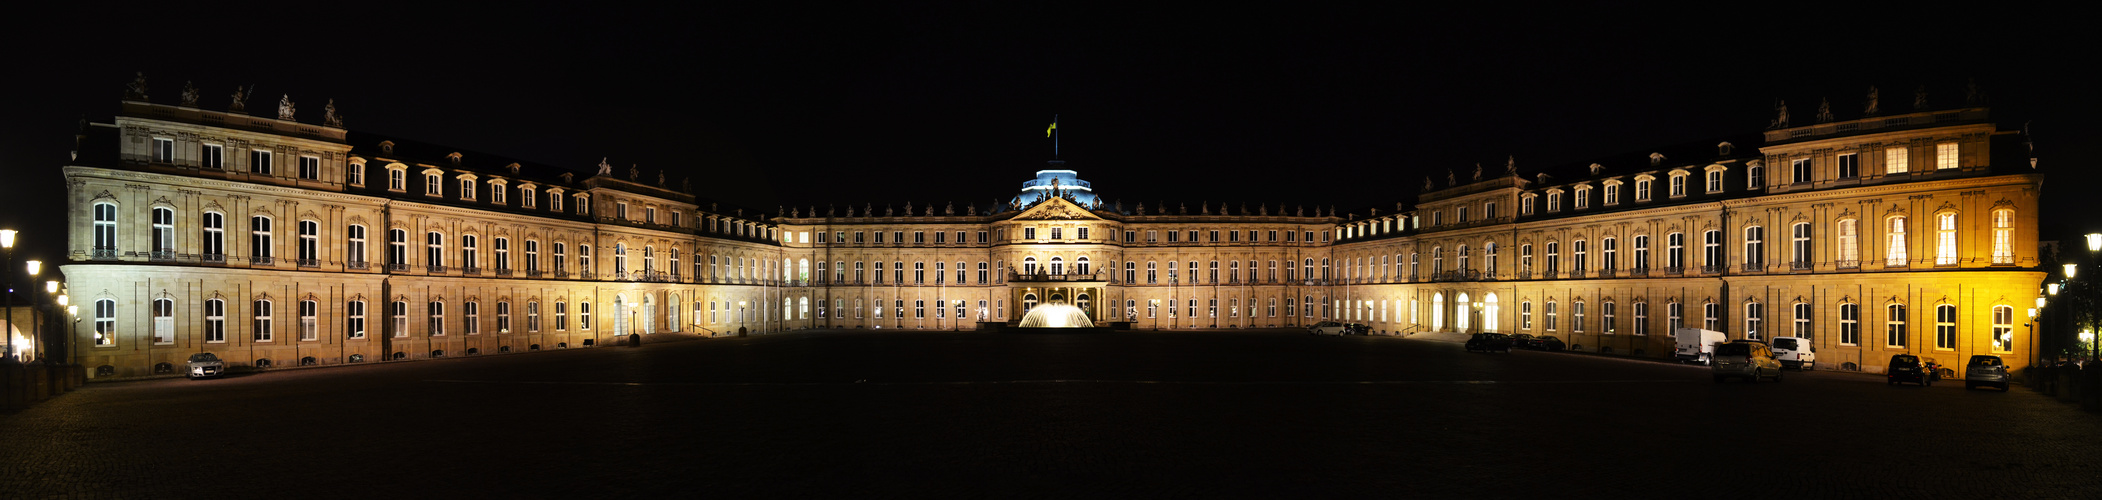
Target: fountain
<point x="1055" y="317"/>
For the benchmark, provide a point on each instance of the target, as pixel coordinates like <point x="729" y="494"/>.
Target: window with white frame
<point x="262" y="326"/>
<point x="2003" y="329"/>
<point x="354" y="319"/>
<point x="1945" y="239"/>
<point x="1799" y="171"/>
<point x="1754" y="246"/>
<point x="215" y="321"/>
<point x="1896" y="160"/>
<point x="1849" y="165"/>
<point x="1894" y="325"/>
<point x="1849" y="323"/>
<point x="1945" y="156"/>
<point x="1799" y="245"/>
<point x="398" y="311"/>
<point x="163" y="232"/>
<point x="1711" y="316"/>
<point x="435" y="318"/>
<point x="1849" y="243"/>
<point x="163" y="150"/>
<point x="1674" y="316"/>
<point x="1678" y="184"/>
<point x="2003" y="235"/>
<point x="1714" y="181"/>
<point x="1754" y="320"/>
<point x="1641" y="325"/>
<point x="1894" y="248"/>
<point x="309" y="311"/>
<point x="106" y="322"/>
<point x="1945" y="326"/>
<point x="259" y="162"/>
<point x="163" y="321"/>
<point x="211" y="156"/>
<point x="310" y="168"/>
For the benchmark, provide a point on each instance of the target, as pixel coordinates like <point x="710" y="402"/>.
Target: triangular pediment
<point x="1056" y="209"/>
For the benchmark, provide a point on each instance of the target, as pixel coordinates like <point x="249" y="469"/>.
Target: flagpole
<point x="1054" y="136"/>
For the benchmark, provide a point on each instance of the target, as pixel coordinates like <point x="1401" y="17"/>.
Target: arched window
<point x="164" y="321"/>
<point x="435" y="318"/>
<point x="1438" y="311"/>
<point x="262" y="326"/>
<point x="215" y="321"/>
<point x="1465" y="309"/>
<point x="1463" y="264"/>
<point x="1849" y="323"/>
<point x="259" y="240"/>
<point x="1058" y="266"/>
<point x="1029" y="266"/>
<point x="1489" y="311"/>
<point x="106" y="322"/>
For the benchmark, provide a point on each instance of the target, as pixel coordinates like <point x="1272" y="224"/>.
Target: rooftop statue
<point x="1824" y="111"/>
<point x="1874" y="105"/>
<point x="888" y="210"/>
<point x="604" y="168"/>
<point x="1262" y="209"/>
<point x="1182" y="208"/>
<point x="1451" y="180"/>
<point x="1302" y="209"/>
<point x="240" y="101"/>
<point x="831" y="210"/>
<point x="1972" y="95"/>
<point x="660" y="177"/>
<point x="1428" y="185"/>
<point x="189" y="95"/>
<point x="970" y="209"/>
<point x="950" y="209"/>
<point x="1477" y="171"/>
<point x="1118" y="206"/>
<point x="1782" y="120"/>
<point x="686" y="185"/>
<point x="1141" y="208"/>
<point x="635" y="173"/>
<point x="1205" y="207"/>
<point x="284" y="107"/>
<point x="1919" y="98"/>
<point x="329" y="118"/>
<point x="1511" y="165"/>
<point x="137" y="89"/>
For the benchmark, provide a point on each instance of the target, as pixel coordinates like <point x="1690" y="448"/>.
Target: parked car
<point x="1358" y="329"/>
<point x="1486" y="342"/>
<point x="1906" y="368"/>
<point x="1546" y="343"/>
<point x="1795" y="352"/>
<point x="1329" y="328"/>
<point x="1986" y="370"/>
<point x="205" y="364"/>
<point x="1522" y="341"/>
<point x="1750" y="360"/>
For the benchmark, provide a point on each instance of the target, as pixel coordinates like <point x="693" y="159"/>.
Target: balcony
<point x="505" y="272"/>
<point x="585" y="275"/>
<point x="105" y="253"/>
<point x="434" y="269"/>
<point x="1712" y="269"/>
<point x="471" y="271"/>
<point x="1607" y="273"/>
<point x="213" y="258"/>
<point x="261" y="260"/>
<point x="1800" y="266"/>
<point x="1675" y="270"/>
<point x="1847" y="264"/>
<point x="1754" y="267"/>
<point x="356" y="264"/>
<point x="532" y="273"/>
<point x="161" y="256"/>
<point x="307" y="262"/>
<point x="1640" y="272"/>
<point x="1046" y="277"/>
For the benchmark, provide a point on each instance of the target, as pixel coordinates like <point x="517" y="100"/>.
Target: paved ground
<point x="914" y="415"/>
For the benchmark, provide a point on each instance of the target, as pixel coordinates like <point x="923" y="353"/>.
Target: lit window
<point x="1849" y="324"/>
<point x="1894" y="324"/>
<point x="1945" y="239"/>
<point x="1945" y="326"/>
<point x="1894" y="249"/>
<point x="2003" y="229"/>
<point x="1895" y="161"/>
<point x="1945" y="156"/>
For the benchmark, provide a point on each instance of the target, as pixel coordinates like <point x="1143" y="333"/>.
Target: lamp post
<point x="73" y="311"/>
<point x="51" y="345"/>
<point x="7" y="247"/>
<point x="35" y="266"/>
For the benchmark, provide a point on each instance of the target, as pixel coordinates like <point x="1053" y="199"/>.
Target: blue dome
<point x="1066" y="182"/>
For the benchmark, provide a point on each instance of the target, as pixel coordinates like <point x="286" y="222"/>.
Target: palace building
<point x="273" y="242"/>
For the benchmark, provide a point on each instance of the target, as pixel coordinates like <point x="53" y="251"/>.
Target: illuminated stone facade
<point x="268" y="240"/>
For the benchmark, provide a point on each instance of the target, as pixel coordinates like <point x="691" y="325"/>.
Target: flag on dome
<point x="1054" y="126"/>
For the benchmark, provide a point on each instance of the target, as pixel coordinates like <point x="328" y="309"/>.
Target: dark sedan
<point x="1546" y="343"/>
<point x="1905" y="368"/>
<point x="1486" y="342"/>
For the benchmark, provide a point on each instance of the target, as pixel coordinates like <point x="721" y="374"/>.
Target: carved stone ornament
<point x="1874" y="106"/>
<point x="660" y="178"/>
<point x="634" y="173"/>
<point x="189" y="95"/>
<point x="240" y="99"/>
<point x="1781" y="110"/>
<point x="329" y="118"/>
<point x="284" y="108"/>
<point x="1824" y="111"/>
<point x="1919" y="98"/>
<point x="604" y="168"/>
<point x="136" y="91"/>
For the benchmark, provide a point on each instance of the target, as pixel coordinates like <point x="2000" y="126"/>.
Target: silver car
<point x="1750" y="360"/>
<point x="1986" y="370"/>
<point x="204" y="364"/>
<point x="1329" y="328"/>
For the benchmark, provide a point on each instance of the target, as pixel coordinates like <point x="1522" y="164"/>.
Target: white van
<point x="1795" y="352"/>
<point x="1697" y="345"/>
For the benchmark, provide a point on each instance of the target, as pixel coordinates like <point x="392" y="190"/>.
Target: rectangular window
<point x="309" y="168"/>
<point x="1612" y="194"/>
<point x="1849" y="324"/>
<point x="1678" y="186"/>
<point x="1896" y="161"/>
<point x="1894" y="325"/>
<point x="1849" y="166"/>
<point x="211" y="156"/>
<point x="163" y="150"/>
<point x="263" y="332"/>
<point x="308" y="330"/>
<point x="1642" y="187"/>
<point x="1945" y="156"/>
<point x="2003" y="232"/>
<point x="259" y="162"/>
<point x="1675" y="316"/>
<point x="1641" y="326"/>
<point x="1799" y="171"/>
<point x="354" y="325"/>
<point x="1945" y="239"/>
<point x="1945" y="326"/>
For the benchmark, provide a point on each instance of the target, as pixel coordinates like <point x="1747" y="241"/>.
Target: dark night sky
<point x="772" y="103"/>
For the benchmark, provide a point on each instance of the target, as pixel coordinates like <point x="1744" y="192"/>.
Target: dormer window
<point x="1583" y="197"/>
<point x="620" y="210"/>
<point x="433" y="184"/>
<point x="1754" y="175"/>
<point x="1525" y="204"/>
<point x="496" y="191"/>
<point x="397" y="177"/>
<point x="1678" y="183"/>
<point x="1643" y="185"/>
<point x="467" y="188"/>
<point x="1554" y="201"/>
<point x="554" y="199"/>
<point x="583" y="204"/>
<point x="1612" y="193"/>
<point x="356" y="172"/>
<point x="1715" y="178"/>
<point x="526" y="196"/>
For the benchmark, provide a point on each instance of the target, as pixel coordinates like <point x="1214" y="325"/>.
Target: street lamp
<point x="35" y="266"/>
<point x="2094" y="242"/>
<point x="2070" y="269"/>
